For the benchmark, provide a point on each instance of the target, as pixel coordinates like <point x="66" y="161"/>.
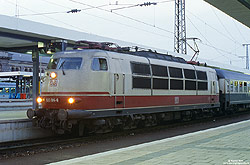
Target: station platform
<point x="13" y="115"/>
<point x="224" y="145"/>
<point x="12" y="109"/>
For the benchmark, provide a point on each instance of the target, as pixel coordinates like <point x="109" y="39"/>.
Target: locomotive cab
<point x="72" y="76"/>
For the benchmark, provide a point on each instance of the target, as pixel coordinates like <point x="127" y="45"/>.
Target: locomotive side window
<point x="141" y="69"/>
<point x="141" y="78"/>
<point x="189" y="74"/>
<point x="201" y="75"/>
<point x="176" y="84"/>
<point x="141" y="82"/>
<point x="175" y="72"/>
<point x="190" y="85"/>
<point x="202" y="85"/>
<point x="161" y="71"/>
<point x="99" y="64"/>
<point x="160" y="83"/>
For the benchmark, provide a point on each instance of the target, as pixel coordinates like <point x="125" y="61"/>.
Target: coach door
<point x="119" y="79"/>
<point x="213" y="87"/>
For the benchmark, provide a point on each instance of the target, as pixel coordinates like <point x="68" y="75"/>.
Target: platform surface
<point x="12" y="109"/>
<point x="13" y="115"/>
<point x="225" y="145"/>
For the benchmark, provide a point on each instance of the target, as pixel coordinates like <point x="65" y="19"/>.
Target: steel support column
<point x="35" y="82"/>
<point x="180" y="45"/>
<point x="247" y="57"/>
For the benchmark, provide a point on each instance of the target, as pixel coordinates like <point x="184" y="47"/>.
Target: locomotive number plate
<point x="53" y="82"/>
<point x="52" y="100"/>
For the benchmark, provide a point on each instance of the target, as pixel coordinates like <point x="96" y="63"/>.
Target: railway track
<point x="30" y="147"/>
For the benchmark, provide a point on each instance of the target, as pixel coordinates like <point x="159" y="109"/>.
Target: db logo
<point x="53" y="82"/>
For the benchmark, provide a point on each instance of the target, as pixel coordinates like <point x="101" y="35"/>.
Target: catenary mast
<point x="180" y="45"/>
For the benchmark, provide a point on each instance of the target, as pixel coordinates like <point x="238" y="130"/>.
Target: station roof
<point x="238" y="9"/>
<point x="16" y="33"/>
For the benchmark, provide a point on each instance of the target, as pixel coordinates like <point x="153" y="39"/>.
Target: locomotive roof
<point x="147" y="54"/>
<point x="230" y="75"/>
<point x="159" y="56"/>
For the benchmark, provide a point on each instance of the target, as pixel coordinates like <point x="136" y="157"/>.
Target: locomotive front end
<point x="66" y="90"/>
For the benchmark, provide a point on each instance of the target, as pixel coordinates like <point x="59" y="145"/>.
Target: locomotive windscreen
<point x="65" y="63"/>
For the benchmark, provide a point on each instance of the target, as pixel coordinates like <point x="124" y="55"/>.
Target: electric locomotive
<point x="100" y="90"/>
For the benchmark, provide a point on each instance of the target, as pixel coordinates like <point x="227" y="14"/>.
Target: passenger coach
<point x="234" y="89"/>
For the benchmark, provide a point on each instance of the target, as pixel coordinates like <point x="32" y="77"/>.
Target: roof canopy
<point x="238" y="9"/>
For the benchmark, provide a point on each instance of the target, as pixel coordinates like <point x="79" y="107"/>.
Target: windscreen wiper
<point x="61" y="66"/>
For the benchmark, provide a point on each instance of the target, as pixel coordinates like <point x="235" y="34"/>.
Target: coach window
<point x="236" y="89"/>
<point x="231" y="86"/>
<point x="1" y="90"/>
<point x="7" y="90"/>
<point x="99" y="64"/>
<point x="240" y="86"/>
<point x="227" y="86"/>
<point x="245" y="86"/>
<point x="248" y="86"/>
<point x="13" y="90"/>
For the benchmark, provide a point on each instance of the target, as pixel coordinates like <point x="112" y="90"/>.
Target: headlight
<point x="39" y="100"/>
<point x="53" y="75"/>
<point x="71" y="100"/>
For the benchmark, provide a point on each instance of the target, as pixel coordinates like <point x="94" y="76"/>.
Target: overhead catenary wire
<point x="239" y="31"/>
<point x="210" y="44"/>
<point x="223" y="24"/>
<point x="44" y="14"/>
<point x="142" y="4"/>
<point x="219" y="32"/>
<point x="161" y="35"/>
<point x="136" y="20"/>
<point x="84" y="30"/>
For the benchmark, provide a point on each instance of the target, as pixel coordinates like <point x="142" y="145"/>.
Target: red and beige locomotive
<point x="98" y="90"/>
